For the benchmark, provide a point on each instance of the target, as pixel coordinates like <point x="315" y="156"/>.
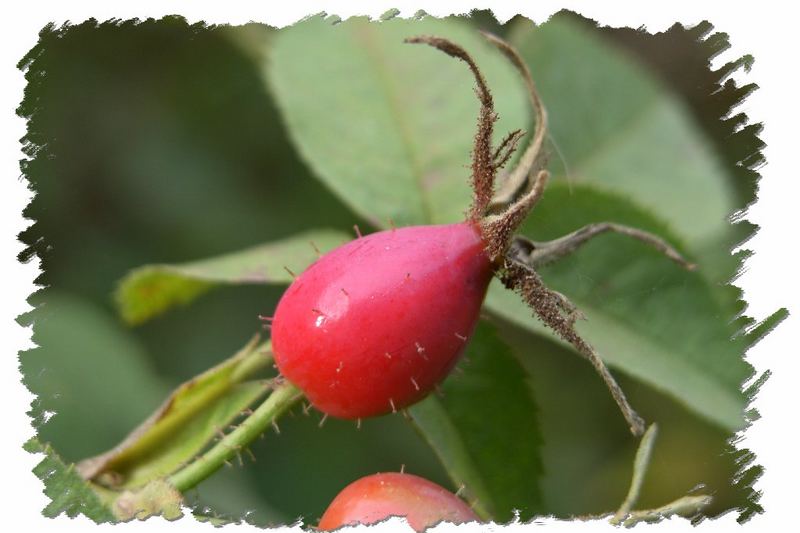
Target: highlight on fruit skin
<point x="375" y="498"/>
<point x="375" y="324"/>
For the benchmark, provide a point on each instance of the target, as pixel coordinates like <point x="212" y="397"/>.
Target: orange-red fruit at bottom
<point x="377" y="497"/>
<point x="373" y="325"/>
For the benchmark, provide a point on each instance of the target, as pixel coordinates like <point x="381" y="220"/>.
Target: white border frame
<point x="764" y="30"/>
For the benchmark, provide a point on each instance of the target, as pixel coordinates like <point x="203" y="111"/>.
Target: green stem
<point x="640" y="465"/>
<point x="687" y="506"/>
<point x="281" y="399"/>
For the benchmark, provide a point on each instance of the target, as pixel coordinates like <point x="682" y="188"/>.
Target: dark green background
<point x="160" y="143"/>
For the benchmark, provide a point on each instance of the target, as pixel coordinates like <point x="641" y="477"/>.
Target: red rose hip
<point x="373" y="325"/>
<point x="374" y="498"/>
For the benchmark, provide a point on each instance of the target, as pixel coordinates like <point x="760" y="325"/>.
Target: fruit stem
<point x="686" y="506"/>
<point x="279" y="401"/>
<point x="640" y="464"/>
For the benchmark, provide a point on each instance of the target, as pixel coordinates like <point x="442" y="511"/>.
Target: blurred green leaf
<point x="485" y="431"/>
<point x="85" y="359"/>
<point x="645" y="315"/>
<point x="188" y="420"/>
<point x="150" y="290"/>
<point x="388" y="125"/>
<point x="68" y="492"/>
<point x="616" y="127"/>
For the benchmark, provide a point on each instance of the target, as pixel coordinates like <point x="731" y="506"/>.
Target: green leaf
<point x="68" y="492"/>
<point x="616" y="127"/>
<point x="645" y="315"/>
<point x="150" y="290"/>
<point x="84" y="359"/>
<point x="189" y="419"/>
<point x="388" y="126"/>
<point x="485" y="431"/>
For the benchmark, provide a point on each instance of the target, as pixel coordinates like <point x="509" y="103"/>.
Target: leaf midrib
<point x="393" y="102"/>
<point x="621" y="135"/>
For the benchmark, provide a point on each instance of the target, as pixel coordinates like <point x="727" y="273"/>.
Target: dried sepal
<point x="483" y="167"/>
<point x="506" y="148"/>
<point x="498" y="230"/>
<point x="532" y="159"/>
<point x="558" y="313"/>
<point x="546" y="252"/>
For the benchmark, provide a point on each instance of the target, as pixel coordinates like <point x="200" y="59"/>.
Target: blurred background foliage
<point x="158" y="141"/>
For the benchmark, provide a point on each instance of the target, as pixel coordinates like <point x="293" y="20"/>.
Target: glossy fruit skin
<point x="374" y="498"/>
<point x="373" y="325"/>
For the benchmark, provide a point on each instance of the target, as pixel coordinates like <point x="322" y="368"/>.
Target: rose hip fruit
<point x="375" y="324"/>
<point x="374" y="498"/>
